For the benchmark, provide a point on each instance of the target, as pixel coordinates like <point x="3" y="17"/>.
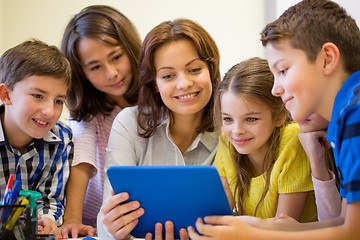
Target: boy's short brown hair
<point x="31" y="58"/>
<point x="311" y="23"/>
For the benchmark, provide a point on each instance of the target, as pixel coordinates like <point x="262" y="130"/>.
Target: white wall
<point x="234" y="24"/>
<point x="279" y="6"/>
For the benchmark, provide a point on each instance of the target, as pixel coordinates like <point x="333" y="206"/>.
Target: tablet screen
<point x="180" y="194"/>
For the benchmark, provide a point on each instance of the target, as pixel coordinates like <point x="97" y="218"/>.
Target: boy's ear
<point x="331" y="57"/>
<point x="4" y="94"/>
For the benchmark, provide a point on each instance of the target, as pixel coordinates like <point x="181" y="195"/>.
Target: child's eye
<point x="251" y="119"/>
<point x="227" y="119"/>
<point x="94" y="68"/>
<point x="282" y="71"/>
<point x="38" y="96"/>
<point x="117" y="57"/>
<point x="60" y="102"/>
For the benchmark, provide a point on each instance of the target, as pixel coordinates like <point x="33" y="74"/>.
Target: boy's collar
<point x="2" y="134"/>
<point x="50" y="137"/>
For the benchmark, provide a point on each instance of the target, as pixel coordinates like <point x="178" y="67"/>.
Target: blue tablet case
<point x="180" y="194"/>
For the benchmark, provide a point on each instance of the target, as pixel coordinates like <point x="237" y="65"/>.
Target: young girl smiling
<point x="263" y="166"/>
<point x="102" y="46"/>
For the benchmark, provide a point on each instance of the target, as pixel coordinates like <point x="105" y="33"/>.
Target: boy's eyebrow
<point x="277" y="62"/>
<point x="40" y="90"/>
<point x="44" y="92"/>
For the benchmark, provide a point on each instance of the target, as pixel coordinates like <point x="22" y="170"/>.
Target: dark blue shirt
<point x="344" y="137"/>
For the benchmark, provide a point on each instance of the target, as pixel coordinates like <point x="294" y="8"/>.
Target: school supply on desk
<point x="9" y="185"/>
<point x="32" y="195"/>
<point x="15" y="224"/>
<point x="180" y="194"/>
<point x="10" y="198"/>
<point x="11" y="228"/>
<point x="7" y="228"/>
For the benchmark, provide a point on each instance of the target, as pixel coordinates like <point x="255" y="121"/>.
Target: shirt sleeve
<point x="122" y="140"/>
<point x="222" y="153"/>
<point x="124" y="131"/>
<point x="84" y="137"/>
<point x="328" y="200"/>
<point x="101" y="228"/>
<point x="349" y="153"/>
<point x="53" y="188"/>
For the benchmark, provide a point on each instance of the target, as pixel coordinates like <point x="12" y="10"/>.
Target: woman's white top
<point x="127" y="148"/>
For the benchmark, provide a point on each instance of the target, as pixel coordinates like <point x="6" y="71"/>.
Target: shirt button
<point x="332" y="144"/>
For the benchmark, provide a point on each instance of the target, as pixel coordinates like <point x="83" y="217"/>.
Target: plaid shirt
<point x="44" y="166"/>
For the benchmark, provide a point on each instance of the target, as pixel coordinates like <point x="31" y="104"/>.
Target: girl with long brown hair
<point x="102" y="46"/>
<point x="263" y="166"/>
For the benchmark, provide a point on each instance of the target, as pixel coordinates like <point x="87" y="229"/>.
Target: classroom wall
<point x="277" y="7"/>
<point x="234" y="24"/>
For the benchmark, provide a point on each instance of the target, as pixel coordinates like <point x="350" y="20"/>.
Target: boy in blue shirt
<point x="34" y="146"/>
<point x="313" y="50"/>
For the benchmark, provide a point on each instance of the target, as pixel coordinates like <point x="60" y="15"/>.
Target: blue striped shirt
<point x="44" y="166"/>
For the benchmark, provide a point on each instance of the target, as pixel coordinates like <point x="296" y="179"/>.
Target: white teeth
<point x="188" y="96"/>
<point x="41" y="122"/>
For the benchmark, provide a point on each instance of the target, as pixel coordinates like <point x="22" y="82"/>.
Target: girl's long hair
<point x="253" y="80"/>
<point x="107" y="25"/>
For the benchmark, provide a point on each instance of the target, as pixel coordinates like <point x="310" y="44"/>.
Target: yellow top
<point x="291" y="173"/>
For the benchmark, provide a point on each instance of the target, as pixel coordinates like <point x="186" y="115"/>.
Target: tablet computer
<point x="180" y="194"/>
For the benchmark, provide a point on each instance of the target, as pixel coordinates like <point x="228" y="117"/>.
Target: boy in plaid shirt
<point x="34" y="146"/>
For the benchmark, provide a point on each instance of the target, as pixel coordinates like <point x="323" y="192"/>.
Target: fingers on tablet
<point x="183" y="234"/>
<point x="114" y="201"/>
<point x="158" y="231"/>
<point x="169" y="230"/>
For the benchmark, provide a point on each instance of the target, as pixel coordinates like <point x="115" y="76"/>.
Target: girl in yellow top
<point x="263" y="166"/>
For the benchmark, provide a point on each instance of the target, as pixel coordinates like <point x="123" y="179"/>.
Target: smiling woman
<point x="172" y="124"/>
<point x="182" y="79"/>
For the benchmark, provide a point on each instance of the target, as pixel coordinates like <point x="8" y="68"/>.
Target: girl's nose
<point x="238" y="129"/>
<point x="111" y="72"/>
